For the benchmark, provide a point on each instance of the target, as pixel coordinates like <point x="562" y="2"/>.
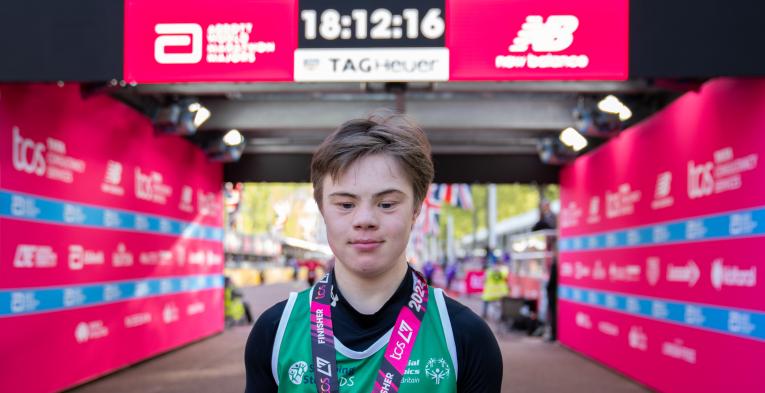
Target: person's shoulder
<point x="460" y="313"/>
<point x="478" y="354"/>
<point x="272" y="315"/>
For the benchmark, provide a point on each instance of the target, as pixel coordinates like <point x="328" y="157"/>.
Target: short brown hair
<point x="382" y="132"/>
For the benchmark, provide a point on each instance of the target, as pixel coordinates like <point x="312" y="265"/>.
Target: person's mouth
<point x="366" y="244"/>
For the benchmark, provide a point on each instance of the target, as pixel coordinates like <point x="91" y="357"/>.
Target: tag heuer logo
<point x="296" y="372"/>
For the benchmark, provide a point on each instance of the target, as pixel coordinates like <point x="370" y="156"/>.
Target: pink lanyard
<point x="393" y="364"/>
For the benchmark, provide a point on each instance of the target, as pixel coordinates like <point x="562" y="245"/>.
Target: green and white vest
<point x="432" y="366"/>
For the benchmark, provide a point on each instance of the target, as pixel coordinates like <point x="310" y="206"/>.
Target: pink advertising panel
<point x="474" y="280"/>
<point x="538" y="40"/>
<point x="203" y="40"/>
<point x="110" y="247"/>
<point x="659" y="270"/>
<point x="286" y="40"/>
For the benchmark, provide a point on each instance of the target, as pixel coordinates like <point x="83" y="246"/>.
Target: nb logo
<point x="555" y="35"/>
<point x="113" y="173"/>
<point x="663" y="184"/>
<point x="174" y="35"/>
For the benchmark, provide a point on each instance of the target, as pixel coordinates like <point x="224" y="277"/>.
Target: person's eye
<point x="345" y="205"/>
<point x="387" y="205"/>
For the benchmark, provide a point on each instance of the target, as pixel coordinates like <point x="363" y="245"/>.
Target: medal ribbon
<point x="397" y="353"/>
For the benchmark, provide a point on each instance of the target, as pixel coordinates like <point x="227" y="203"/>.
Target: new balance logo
<point x="113" y="173"/>
<point x="174" y="35"/>
<point x="555" y="35"/>
<point x="663" y="184"/>
<point x="323" y="366"/>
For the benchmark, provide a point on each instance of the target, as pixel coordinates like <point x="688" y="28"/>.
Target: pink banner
<point x="49" y="351"/>
<point x="665" y="357"/>
<point x="69" y="154"/>
<point x="717" y="272"/>
<point x="711" y="168"/>
<point x="538" y="40"/>
<point x="202" y="40"/>
<point x="657" y="266"/>
<point x="45" y="255"/>
<point x="523" y="287"/>
<point x="111" y="247"/>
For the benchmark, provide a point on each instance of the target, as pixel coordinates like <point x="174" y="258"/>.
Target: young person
<point x="372" y="324"/>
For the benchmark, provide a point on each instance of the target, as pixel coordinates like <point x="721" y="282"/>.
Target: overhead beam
<point x="521" y="111"/>
<point x="450" y="168"/>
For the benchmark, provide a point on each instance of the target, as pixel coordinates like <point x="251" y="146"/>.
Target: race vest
<point x="431" y="368"/>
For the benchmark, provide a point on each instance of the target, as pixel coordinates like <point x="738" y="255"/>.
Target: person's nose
<point x="365" y="217"/>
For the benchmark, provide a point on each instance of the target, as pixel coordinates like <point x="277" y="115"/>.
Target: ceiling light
<point x="611" y="104"/>
<point x="233" y="138"/>
<point x="573" y="139"/>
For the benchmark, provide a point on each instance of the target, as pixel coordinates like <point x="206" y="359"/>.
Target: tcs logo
<point x="28" y="155"/>
<point x="173" y="35"/>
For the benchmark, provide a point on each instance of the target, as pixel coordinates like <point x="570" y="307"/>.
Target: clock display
<point x="379" y="24"/>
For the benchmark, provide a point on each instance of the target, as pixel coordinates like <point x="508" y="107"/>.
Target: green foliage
<point x="512" y="199"/>
<point x="259" y="200"/>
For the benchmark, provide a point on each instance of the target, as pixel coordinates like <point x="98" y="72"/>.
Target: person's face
<point x="369" y="213"/>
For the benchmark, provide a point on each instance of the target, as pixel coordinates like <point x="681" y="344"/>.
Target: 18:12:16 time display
<point x="384" y="24"/>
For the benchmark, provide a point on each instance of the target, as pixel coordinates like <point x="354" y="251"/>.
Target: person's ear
<point x="415" y="214"/>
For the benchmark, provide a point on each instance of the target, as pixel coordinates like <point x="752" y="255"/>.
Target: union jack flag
<point x="431" y="211"/>
<point x="459" y="195"/>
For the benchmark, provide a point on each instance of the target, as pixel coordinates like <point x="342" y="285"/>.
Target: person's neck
<point x="368" y="294"/>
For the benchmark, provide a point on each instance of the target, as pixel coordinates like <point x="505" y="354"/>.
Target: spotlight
<point x="611" y="104"/>
<point x="181" y="118"/>
<point x="229" y="148"/>
<point x="233" y="138"/>
<point x="592" y="122"/>
<point x="553" y="151"/>
<point x="573" y="139"/>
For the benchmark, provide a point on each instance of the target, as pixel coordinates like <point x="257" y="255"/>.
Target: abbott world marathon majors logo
<point x="47" y="159"/>
<point x="227" y="43"/>
<point x="79" y="257"/>
<point x="732" y="276"/>
<point x="543" y="38"/>
<point x="722" y="174"/>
